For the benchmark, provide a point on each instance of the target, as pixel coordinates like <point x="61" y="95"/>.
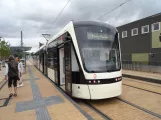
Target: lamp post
<point x="47" y="37"/>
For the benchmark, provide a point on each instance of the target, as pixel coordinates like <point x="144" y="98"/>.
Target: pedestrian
<point x="12" y="74"/>
<point x="20" y="68"/>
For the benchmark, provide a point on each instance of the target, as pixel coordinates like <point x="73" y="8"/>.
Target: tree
<point x="4" y="49"/>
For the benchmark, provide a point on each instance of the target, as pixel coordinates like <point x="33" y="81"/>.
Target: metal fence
<point x="154" y="67"/>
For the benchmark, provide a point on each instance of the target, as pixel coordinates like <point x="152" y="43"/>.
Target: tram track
<point x="142" y="98"/>
<point x="140" y="108"/>
<point x="142" y="89"/>
<point x="105" y="115"/>
<point x="145" y="86"/>
<point x="102" y="115"/>
<point x="142" y="82"/>
<point x="91" y="110"/>
<point x="144" y="108"/>
<point x="143" y="111"/>
<point x="99" y="109"/>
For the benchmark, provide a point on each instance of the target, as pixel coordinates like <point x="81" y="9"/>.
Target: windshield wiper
<point x="92" y="71"/>
<point x="110" y="70"/>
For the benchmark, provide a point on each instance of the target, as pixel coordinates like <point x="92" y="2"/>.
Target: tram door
<point x="56" y="65"/>
<point x="67" y="60"/>
<point x="61" y="66"/>
<point x="45" y="64"/>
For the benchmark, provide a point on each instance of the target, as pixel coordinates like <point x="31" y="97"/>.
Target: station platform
<point x="38" y="99"/>
<point x="145" y="76"/>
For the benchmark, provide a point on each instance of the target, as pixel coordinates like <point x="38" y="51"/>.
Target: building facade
<point x="140" y="40"/>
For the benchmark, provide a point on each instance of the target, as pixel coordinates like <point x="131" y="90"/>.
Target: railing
<point x="154" y="67"/>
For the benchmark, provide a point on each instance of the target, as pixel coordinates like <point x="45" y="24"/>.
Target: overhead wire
<point x="126" y="1"/>
<point x="60" y="13"/>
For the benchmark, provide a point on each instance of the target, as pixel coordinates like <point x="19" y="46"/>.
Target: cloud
<point x="34" y="17"/>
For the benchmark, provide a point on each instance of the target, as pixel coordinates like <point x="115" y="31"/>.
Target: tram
<point x="84" y="59"/>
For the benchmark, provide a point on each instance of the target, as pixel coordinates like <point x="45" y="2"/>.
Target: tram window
<point x="55" y="59"/>
<point x="74" y="61"/>
<point x="50" y="59"/>
<point x="99" y="54"/>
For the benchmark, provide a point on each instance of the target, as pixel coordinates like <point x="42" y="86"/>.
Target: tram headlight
<point x="118" y="79"/>
<point x="94" y="81"/>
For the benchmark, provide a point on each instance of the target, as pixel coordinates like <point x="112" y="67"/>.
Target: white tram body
<point x="85" y="57"/>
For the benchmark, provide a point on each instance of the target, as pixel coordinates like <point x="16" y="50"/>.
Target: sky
<point x="35" y="17"/>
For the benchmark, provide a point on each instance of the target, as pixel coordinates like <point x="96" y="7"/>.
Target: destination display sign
<point x="99" y="36"/>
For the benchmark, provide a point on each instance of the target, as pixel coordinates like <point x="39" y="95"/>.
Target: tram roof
<point x="81" y="23"/>
<point x="40" y="48"/>
<point x="60" y="33"/>
<point x="90" y="23"/>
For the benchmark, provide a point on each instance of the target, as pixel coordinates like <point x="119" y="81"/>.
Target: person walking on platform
<point x="12" y="74"/>
<point x="20" y="68"/>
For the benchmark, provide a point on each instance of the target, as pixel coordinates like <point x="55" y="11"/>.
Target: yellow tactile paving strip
<point x="143" y="74"/>
<point x="61" y="111"/>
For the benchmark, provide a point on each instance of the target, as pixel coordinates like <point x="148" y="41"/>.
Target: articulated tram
<point x="84" y="59"/>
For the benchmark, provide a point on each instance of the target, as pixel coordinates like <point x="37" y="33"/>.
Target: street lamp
<point x="46" y="36"/>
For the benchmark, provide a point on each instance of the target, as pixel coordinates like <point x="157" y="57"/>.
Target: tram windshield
<point x="99" y="48"/>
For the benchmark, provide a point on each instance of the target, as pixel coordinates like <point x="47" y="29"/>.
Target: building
<point x="17" y="50"/>
<point x="140" y="40"/>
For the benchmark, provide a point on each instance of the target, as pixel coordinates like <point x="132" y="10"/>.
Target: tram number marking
<point x="61" y="38"/>
<point x="94" y="76"/>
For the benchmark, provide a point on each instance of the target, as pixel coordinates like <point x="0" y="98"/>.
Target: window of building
<point x="145" y="29"/>
<point x="156" y="26"/>
<point x="124" y="34"/>
<point x="134" y="32"/>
